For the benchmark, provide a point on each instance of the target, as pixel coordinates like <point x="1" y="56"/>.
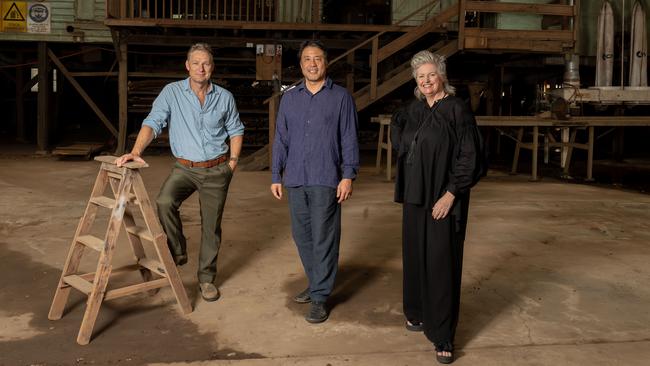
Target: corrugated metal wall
<point x="86" y="17"/>
<point x="402" y="8"/>
<point x="294" y="11"/>
<point x="520" y="21"/>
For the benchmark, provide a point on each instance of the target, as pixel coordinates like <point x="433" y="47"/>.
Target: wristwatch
<point x="234" y="158"/>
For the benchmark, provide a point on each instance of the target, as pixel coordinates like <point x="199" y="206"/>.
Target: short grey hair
<point x="201" y="47"/>
<point x="427" y="57"/>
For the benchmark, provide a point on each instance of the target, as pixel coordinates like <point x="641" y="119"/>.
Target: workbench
<point x="567" y="142"/>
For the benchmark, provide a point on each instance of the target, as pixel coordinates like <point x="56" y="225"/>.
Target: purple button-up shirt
<point x="315" y="137"/>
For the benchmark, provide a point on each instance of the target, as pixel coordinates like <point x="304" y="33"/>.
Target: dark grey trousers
<point x="212" y="186"/>
<point x="316" y="228"/>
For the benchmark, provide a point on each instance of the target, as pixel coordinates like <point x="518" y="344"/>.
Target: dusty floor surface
<point x="555" y="274"/>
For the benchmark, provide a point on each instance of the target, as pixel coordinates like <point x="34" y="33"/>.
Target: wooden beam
<point x="576" y="26"/>
<point x="43" y="124"/>
<point x="270" y="26"/>
<point x="123" y="92"/>
<point x="538" y="35"/>
<point x="461" y="24"/>
<point x="235" y="41"/>
<point x="505" y="7"/>
<point x="528" y="45"/>
<point x="349" y="76"/>
<point x="93" y="73"/>
<point x="529" y="121"/>
<point x="20" y="100"/>
<point x="373" y="68"/>
<point x="82" y="92"/>
<point x="273" y="112"/>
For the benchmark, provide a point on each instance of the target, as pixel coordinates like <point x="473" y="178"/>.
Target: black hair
<point x="312" y="43"/>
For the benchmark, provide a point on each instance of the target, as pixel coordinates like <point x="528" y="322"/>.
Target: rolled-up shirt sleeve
<point x="234" y="125"/>
<point x="349" y="142"/>
<point x="160" y="112"/>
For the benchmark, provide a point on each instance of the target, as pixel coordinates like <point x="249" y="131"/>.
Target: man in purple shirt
<point x="316" y="157"/>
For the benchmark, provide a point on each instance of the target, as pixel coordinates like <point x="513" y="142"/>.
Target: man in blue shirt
<point x="201" y="116"/>
<point x="316" y="157"/>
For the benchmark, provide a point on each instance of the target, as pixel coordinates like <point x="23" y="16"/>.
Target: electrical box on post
<point x="268" y="61"/>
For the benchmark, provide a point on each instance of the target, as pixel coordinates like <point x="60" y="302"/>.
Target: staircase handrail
<point x="432" y="3"/>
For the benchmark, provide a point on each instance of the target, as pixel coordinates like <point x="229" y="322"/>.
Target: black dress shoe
<point x="303" y="297"/>
<point x="317" y="313"/>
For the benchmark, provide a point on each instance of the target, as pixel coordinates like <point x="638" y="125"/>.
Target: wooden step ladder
<point x="129" y="192"/>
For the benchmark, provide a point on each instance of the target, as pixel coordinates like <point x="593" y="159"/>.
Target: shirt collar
<point x="211" y="86"/>
<point x="328" y="84"/>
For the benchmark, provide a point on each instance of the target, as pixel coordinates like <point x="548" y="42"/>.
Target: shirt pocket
<point x="214" y="121"/>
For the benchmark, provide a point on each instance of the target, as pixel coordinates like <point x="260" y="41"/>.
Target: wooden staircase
<point x="400" y="75"/>
<point x="397" y="76"/>
<point x="465" y="37"/>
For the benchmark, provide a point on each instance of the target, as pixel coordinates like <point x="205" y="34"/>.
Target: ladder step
<point x="110" y="202"/>
<point x="153" y="266"/>
<point x="91" y="242"/>
<point x="79" y="283"/>
<point x="140" y="231"/>
<point x="134" y="289"/>
<point x="115" y="175"/>
<point x="113" y="169"/>
<point x="103" y="201"/>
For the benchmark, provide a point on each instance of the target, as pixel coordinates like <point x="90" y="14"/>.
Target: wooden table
<point x="567" y="143"/>
<point x="384" y="128"/>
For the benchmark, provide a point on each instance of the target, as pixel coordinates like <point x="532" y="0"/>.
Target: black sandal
<point x="444" y="347"/>
<point x="414" y="325"/>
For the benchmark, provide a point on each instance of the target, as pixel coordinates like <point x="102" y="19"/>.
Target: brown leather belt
<point x="203" y="164"/>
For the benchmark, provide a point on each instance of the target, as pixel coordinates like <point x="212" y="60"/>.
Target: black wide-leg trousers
<point x="432" y="254"/>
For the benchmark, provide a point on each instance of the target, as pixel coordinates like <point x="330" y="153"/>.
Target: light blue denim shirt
<point x="196" y="133"/>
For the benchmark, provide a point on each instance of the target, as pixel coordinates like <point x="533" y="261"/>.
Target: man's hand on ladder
<point x="128" y="157"/>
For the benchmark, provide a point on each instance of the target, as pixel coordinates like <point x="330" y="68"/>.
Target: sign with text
<point x="13" y="14"/>
<point x="38" y="18"/>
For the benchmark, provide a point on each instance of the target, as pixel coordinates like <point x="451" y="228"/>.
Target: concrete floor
<point x="555" y="274"/>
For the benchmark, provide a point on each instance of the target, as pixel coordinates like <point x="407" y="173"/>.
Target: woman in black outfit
<point x="440" y="157"/>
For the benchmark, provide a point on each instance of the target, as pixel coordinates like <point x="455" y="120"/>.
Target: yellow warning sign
<point x="13" y="16"/>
